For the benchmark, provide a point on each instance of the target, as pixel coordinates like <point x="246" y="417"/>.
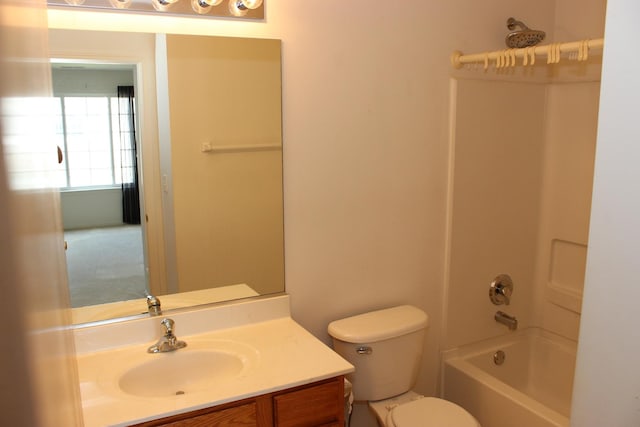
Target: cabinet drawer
<point x="318" y="405"/>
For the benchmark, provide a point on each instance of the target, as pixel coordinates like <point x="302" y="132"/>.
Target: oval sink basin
<point x="204" y="365"/>
<point x="178" y="373"/>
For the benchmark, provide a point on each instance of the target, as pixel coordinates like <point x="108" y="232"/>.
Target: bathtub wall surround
<point x="523" y="149"/>
<point x="495" y="200"/>
<point x="567" y="181"/>
<point x="521" y="195"/>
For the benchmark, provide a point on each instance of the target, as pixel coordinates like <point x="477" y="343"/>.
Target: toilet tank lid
<point x="379" y="325"/>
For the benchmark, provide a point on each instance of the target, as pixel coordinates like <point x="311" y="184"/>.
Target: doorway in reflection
<point x="98" y="178"/>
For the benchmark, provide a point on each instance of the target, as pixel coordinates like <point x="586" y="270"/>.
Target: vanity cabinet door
<point x="254" y="412"/>
<point x="315" y="405"/>
<point x="238" y="416"/>
<point x="321" y="404"/>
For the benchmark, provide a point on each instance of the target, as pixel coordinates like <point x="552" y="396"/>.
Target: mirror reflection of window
<point x="95" y="109"/>
<point x="88" y="133"/>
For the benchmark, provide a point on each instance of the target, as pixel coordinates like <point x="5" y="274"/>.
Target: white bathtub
<point x="532" y="388"/>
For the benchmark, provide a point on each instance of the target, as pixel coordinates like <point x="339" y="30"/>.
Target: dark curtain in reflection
<point x="128" y="156"/>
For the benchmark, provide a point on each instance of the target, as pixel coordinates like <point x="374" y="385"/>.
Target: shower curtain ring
<point x="585" y="51"/>
<point x="533" y="56"/>
<point x="581" y="51"/>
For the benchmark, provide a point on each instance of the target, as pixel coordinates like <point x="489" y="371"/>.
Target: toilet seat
<point x="430" y="412"/>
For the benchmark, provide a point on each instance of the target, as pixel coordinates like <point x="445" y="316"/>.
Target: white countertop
<point x="283" y="355"/>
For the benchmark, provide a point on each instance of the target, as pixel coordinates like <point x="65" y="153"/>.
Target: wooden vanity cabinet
<point x="316" y="404"/>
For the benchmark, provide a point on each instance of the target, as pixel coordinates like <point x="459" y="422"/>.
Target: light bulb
<point x="237" y="8"/>
<point x="252" y="4"/>
<point x="162" y="5"/>
<point x="204" y="6"/>
<point x="120" y="4"/>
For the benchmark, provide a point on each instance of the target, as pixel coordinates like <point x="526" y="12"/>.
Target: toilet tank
<point x="385" y="346"/>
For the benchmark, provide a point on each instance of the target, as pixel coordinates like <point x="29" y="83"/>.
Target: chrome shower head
<point x="524" y="37"/>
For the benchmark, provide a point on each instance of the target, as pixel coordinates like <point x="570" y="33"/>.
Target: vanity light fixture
<point x="250" y="9"/>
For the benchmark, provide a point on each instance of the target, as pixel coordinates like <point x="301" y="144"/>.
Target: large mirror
<point x="197" y="120"/>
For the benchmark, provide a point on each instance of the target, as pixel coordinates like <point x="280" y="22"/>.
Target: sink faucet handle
<point x="168" y="326"/>
<point x="153" y="304"/>
<point x="501" y="289"/>
<point x="168" y="342"/>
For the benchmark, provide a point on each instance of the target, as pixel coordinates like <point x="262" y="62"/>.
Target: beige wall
<point x="226" y="92"/>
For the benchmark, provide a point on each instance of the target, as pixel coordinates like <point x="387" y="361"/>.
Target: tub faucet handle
<point x="501" y="289"/>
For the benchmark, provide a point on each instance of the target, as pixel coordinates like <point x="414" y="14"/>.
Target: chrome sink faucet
<point x="169" y="342"/>
<point x="153" y="304"/>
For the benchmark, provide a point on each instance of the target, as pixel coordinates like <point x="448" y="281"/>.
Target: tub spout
<point x="509" y="321"/>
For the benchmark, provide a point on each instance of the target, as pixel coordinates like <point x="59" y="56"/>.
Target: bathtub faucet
<point x="509" y="321"/>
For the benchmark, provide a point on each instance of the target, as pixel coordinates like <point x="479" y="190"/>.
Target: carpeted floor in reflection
<point x="105" y="265"/>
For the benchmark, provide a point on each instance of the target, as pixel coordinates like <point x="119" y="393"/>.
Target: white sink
<point x="180" y="372"/>
<point x="275" y="353"/>
<point x="198" y="367"/>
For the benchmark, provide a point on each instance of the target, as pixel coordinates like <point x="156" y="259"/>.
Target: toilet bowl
<point x="412" y="410"/>
<point x="385" y="347"/>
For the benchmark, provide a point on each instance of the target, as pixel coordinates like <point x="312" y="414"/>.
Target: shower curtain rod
<point x="507" y="57"/>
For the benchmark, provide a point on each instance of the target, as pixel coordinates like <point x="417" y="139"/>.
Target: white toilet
<point x="385" y="346"/>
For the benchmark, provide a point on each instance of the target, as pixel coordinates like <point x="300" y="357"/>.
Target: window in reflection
<point x="88" y="130"/>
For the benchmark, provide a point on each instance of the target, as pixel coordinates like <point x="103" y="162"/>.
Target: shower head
<point x="524" y="37"/>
